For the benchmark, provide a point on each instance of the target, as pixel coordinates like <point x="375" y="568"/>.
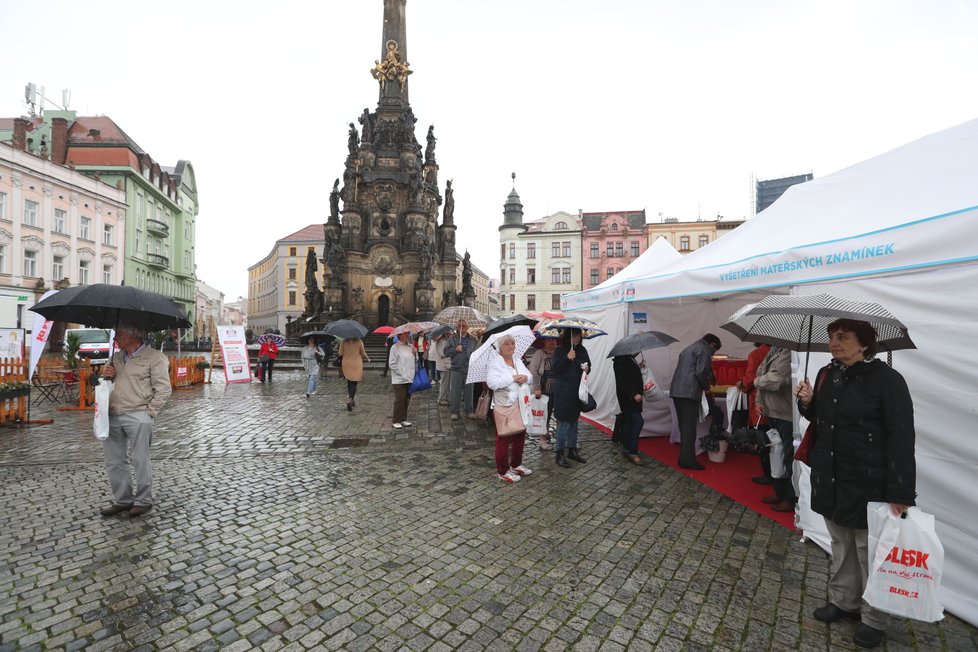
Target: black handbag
<point x="590" y="405"/>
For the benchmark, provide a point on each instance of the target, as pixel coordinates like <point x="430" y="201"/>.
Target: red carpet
<point x="731" y="478"/>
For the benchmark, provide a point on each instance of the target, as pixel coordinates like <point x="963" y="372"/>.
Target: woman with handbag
<point x="863" y="452"/>
<point x="568" y="365"/>
<point x="401" y="362"/>
<point x="509" y="379"/>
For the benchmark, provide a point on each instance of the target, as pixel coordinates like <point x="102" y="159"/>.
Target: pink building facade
<point x="609" y="242"/>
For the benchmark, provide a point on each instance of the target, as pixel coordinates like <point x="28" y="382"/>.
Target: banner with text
<point x="234" y="350"/>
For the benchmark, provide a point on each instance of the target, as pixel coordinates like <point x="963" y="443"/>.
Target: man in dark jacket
<point x="693" y="376"/>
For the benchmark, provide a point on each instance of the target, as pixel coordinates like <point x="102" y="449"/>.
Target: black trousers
<point x="687" y="414"/>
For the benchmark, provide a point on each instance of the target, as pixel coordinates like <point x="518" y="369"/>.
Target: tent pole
<point x="808" y="351"/>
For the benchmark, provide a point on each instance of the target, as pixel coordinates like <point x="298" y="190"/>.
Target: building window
<point x="567" y="253"/>
<point x="140" y="206"/>
<point x="555" y="250"/>
<point x="531" y="250"/>
<point x="502" y="252"/>
<point x="531" y="276"/>
<point x="186" y="230"/>
<point x="291" y="251"/>
<point x="684" y="243"/>
<point x="611" y="272"/>
<point x="704" y="240"/>
<point x="84" y="267"/>
<point x="3" y="259"/>
<point x="555" y="302"/>
<point x="58" y="226"/>
<point x="619" y="249"/>
<point x="3" y="206"/>
<point x="30" y="212"/>
<point x="85" y="228"/>
<point x="57" y="268"/>
<point x="595" y="275"/>
<point x="107" y="274"/>
<point x="291" y="297"/>
<point x="512" y="302"/>
<point x="560" y="226"/>
<point x="30" y="263"/>
<point x="512" y="250"/>
<point x="502" y="277"/>
<point x="512" y="276"/>
<point x="614" y="226"/>
<point x="565" y="275"/>
<point x="531" y="302"/>
<point x="594" y="250"/>
<point x="555" y="276"/>
<point x="292" y="273"/>
<point x="107" y="234"/>
<point x="634" y="246"/>
<point x="611" y="250"/>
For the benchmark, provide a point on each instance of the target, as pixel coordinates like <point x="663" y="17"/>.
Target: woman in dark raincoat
<point x="567" y="366"/>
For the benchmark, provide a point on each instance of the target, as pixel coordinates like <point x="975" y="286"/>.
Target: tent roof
<point x="915" y="206"/>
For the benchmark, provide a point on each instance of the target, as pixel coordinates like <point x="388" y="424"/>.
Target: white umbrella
<point x="482" y="357"/>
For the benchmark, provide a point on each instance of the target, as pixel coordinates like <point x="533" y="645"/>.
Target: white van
<point x="95" y="343"/>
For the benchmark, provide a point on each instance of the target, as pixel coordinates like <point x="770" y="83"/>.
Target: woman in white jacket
<point x="402" y="365"/>
<point x="506" y="374"/>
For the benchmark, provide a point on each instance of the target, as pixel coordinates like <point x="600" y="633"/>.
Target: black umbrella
<point x="438" y="332"/>
<point x="800" y="323"/>
<point x="346" y="328"/>
<point x="505" y="323"/>
<point x="106" y="306"/>
<point x="638" y="342"/>
<point x="319" y="335"/>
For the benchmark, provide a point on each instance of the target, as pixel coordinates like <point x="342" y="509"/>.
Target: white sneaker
<point x="406" y="424"/>
<point x="454" y="417"/>
<point x="509" y="476"/>
<point x="397" y="426"/>
<point x="520" y="470"/>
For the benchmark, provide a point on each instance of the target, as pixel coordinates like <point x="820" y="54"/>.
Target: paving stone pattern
<point x="288" y="523"/>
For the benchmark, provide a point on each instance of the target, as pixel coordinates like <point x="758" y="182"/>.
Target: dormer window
<point x="614" y="226"/>
<point x="560" y="226"/>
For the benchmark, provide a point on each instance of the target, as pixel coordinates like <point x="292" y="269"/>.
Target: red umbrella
<point x="384" y="330"/>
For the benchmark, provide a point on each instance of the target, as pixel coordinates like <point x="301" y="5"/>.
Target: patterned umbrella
<point x="799" y="322"/>
<point x="450" y="316"/>
<point x="546" y="314"/>
<point x="552" y="328"/>
<point x="415" y="327"/>
<point x="482" y="357"/>
<point x="278" y="340"/>
<point x="638" y="342"/>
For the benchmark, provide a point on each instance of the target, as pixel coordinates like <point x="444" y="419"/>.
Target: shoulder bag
<point x="482" y="407"/>
<point x="509" y="420"/>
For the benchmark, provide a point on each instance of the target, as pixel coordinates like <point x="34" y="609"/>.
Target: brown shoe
<point x="139" y="510"/>
<point x="784" y="506"/>
<point x="114" y="509"/>
<point x="773" y="499"/>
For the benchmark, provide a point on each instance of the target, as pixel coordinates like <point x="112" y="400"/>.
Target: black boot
<point x="573" y="454"/>
<point x="560" y="459"/>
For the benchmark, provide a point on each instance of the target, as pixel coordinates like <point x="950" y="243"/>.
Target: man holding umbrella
<point x="142" y="386"/>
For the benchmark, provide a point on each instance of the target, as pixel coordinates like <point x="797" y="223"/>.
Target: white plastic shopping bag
<point x="538" y="415"/>
<point x="523" y="396"/>
<point x="736" y="400"/>
<point x="776" y="451"/>
<point x="102" y="392"/>
<point x="704" y="407"/>
<point x="582" y="389"/>
<point x="906" y="564"/>
<point x="650" y="388"/>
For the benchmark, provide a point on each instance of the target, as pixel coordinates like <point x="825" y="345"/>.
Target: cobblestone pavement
<point x="289" y="523"/>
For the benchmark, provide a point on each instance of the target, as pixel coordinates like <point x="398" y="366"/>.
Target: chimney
<point x="20" y="133"/>
<point x="59" y="140"/>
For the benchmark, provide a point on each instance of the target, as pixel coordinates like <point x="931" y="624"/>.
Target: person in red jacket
<point x="746" y="384"/>
<point x="266" y="360"/>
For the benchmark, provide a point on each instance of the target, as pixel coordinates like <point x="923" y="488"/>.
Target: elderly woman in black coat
<point x="568" y="364"/>
<point x="863" y="452"/>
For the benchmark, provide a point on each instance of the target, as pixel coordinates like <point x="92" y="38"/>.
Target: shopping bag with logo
<point x="650" y="388"/>
<point x="102" y="392"/>
<point x="907" y="564"/>
<point x="538" y="415"/>
<point x="776" y="452"/>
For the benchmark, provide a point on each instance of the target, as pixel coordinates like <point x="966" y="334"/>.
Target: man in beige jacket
<point x="774" y="400"/>
<point x="142" y="385"/>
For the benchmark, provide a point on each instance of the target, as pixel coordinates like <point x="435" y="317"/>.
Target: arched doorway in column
<point x="383" y="310"/>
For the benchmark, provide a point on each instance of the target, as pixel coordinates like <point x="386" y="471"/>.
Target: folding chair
<point x="42" y="390"/>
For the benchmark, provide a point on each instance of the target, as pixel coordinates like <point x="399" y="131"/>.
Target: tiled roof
<point x="311" y="233"/>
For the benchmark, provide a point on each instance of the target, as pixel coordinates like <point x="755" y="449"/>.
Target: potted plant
<point x="202" y="364"/>
<point x="715" y="444"/>
<point x="14" y="388"/>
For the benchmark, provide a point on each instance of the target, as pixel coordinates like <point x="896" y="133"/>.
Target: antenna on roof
<point x="30" y="96"/>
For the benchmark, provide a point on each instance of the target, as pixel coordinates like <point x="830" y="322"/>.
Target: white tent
<point x="900" y="229"/>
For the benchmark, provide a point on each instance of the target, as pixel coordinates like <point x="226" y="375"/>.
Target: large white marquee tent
<point x="900" y="229"/>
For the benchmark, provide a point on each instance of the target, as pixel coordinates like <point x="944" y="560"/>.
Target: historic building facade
<point x="58" y="227"/>
<point x="538" y="260"/>
<point x="158" y="236"/>
<point x="276" y="282"/>
<point x="687" y="237"/>
<point x="387" y="259"/>
<point x="609" y="242"/>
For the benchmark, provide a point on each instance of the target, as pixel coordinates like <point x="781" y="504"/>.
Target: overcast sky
<point x="612" y="105"/>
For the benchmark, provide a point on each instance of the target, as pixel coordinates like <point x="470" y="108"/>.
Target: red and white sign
<point x="234" y="350"/>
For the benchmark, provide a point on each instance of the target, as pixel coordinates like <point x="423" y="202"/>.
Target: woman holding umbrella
<point x="863" y="452"/>
<point x="569" y="363"/>
<point x="506" y="374"/>
<point x="352" y="356"/>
